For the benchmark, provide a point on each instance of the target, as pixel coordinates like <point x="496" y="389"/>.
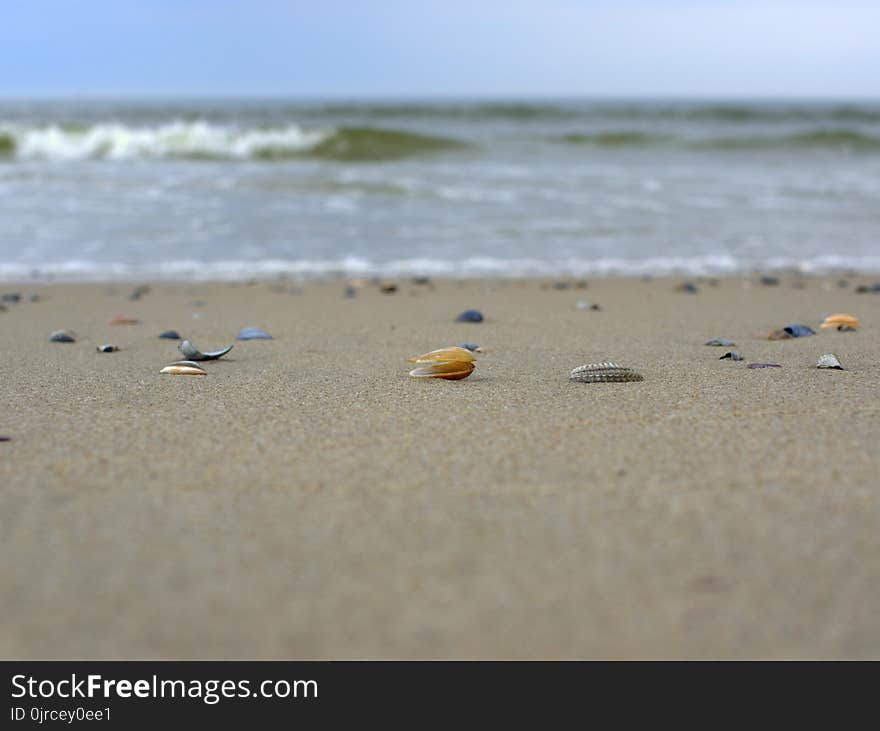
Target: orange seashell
<point x="840" y="320"/>
<point x="456" y="354"/>
<point x="450" y="371"/>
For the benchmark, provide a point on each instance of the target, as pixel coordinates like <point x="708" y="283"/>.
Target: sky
<point x="425" y="48"/>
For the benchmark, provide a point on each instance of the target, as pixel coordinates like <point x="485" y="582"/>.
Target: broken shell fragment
<point x="107" y="348"/>
<point x="253" y="333"/>
<point x="123" y="320"/>
<point x="193" y="353"/>
<point x="184" y="368"/>
<point x="722" y="342"/>
<point x="829" y="360"/>
<point x="604" y="373"/>
<point x="732" y="356"/>
<point x="840" y="322"/>
<point x="63" y="336"/>
<point x="763" y="365"/>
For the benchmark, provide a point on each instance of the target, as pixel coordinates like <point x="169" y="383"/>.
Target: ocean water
<point x="230" y="189"/>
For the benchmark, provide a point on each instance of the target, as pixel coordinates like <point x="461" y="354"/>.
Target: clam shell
<point x="107" y="348"/>
<point x="448" y="370"/>
<point x="829" y="360"/>
<point x="604" y="373"/>
<point x="193" y="353"/>
<point x="840" y="321"/>
<point x="453" y="354"/>
<point x="184" y="368"/>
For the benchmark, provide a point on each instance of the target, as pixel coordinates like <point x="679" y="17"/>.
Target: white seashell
<point x="184" y="368"/>
<point x="604" y="373"/>
<point x="829" y="360"/>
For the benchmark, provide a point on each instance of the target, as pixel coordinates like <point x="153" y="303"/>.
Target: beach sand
<point x="307" y="499"/>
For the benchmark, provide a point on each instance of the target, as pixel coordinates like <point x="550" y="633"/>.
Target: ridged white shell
<point x="829" y="360"/>
<point x="604" y="373"/>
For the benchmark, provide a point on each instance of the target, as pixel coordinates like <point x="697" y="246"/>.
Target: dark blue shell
<point x="799" y="331"/>
<point x="469" y="346"/>
<point x="470" y="316"/>
<point x="170" y="335"/>
<point x="253" y="333"/>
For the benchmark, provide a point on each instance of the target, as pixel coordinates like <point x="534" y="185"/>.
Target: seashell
<point x="123" y="320"/>
<point x="470" y="316"/>
<point x="138" y="292"/>
<point x="723" y="342"/>
<point x="388" y="287"/>
<point x="581" y="305"/>
<point x="107" y="348"/>
<point x="604" y="373"/>
<point x="687" y="288"/>
<point x="4" y="438"/>
<point x="769" y="281"/>
<point x="473" y="347"/>
<point x="253" y="333"/>
<point x="445" y="355"/>
<point x="732" y="356"/>
<point x="192" y="352"/>
<point x="11" y="297"/>
<point x="448" y="370"/>
<point x="799" y="331"/>
<point x="840" y="321"/>
<point x="829" y="360"/>
<point x="845" y="329"/>
<point x="763" y="365"/>
<point x="868" y="288"/>
<point x="170" y="335"/>
<point x="778" y="335"/>
<point x="184" y="368"/>
<point x="350" y="292"/>
<point x="63" y="336"/>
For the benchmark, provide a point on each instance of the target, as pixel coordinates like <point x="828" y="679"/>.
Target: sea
<point x="97" y="189"/>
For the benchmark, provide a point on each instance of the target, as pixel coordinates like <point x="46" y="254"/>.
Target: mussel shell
<point x="63" y="336"/>
<point x="107" y="348"/>
<point x="170" y="335"/>
<point x="470" y="316"/>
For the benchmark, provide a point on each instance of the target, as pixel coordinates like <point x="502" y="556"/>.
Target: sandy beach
<point x="307" y="499"/>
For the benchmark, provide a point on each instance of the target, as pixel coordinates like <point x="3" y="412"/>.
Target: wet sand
<point x="307" y="499"/>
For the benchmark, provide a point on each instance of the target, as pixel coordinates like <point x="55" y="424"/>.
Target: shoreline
<point x="308" y="499"/>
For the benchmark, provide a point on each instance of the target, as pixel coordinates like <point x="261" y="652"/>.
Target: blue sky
<point x="390" y="48"/>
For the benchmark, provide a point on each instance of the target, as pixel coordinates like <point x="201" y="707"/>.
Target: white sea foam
<point x="114" y="141"/>
<point x="236" y="270"/>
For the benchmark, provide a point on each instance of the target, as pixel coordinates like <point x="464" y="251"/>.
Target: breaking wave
<point x="205" y="141"/>
<point x="472" y="267"/>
